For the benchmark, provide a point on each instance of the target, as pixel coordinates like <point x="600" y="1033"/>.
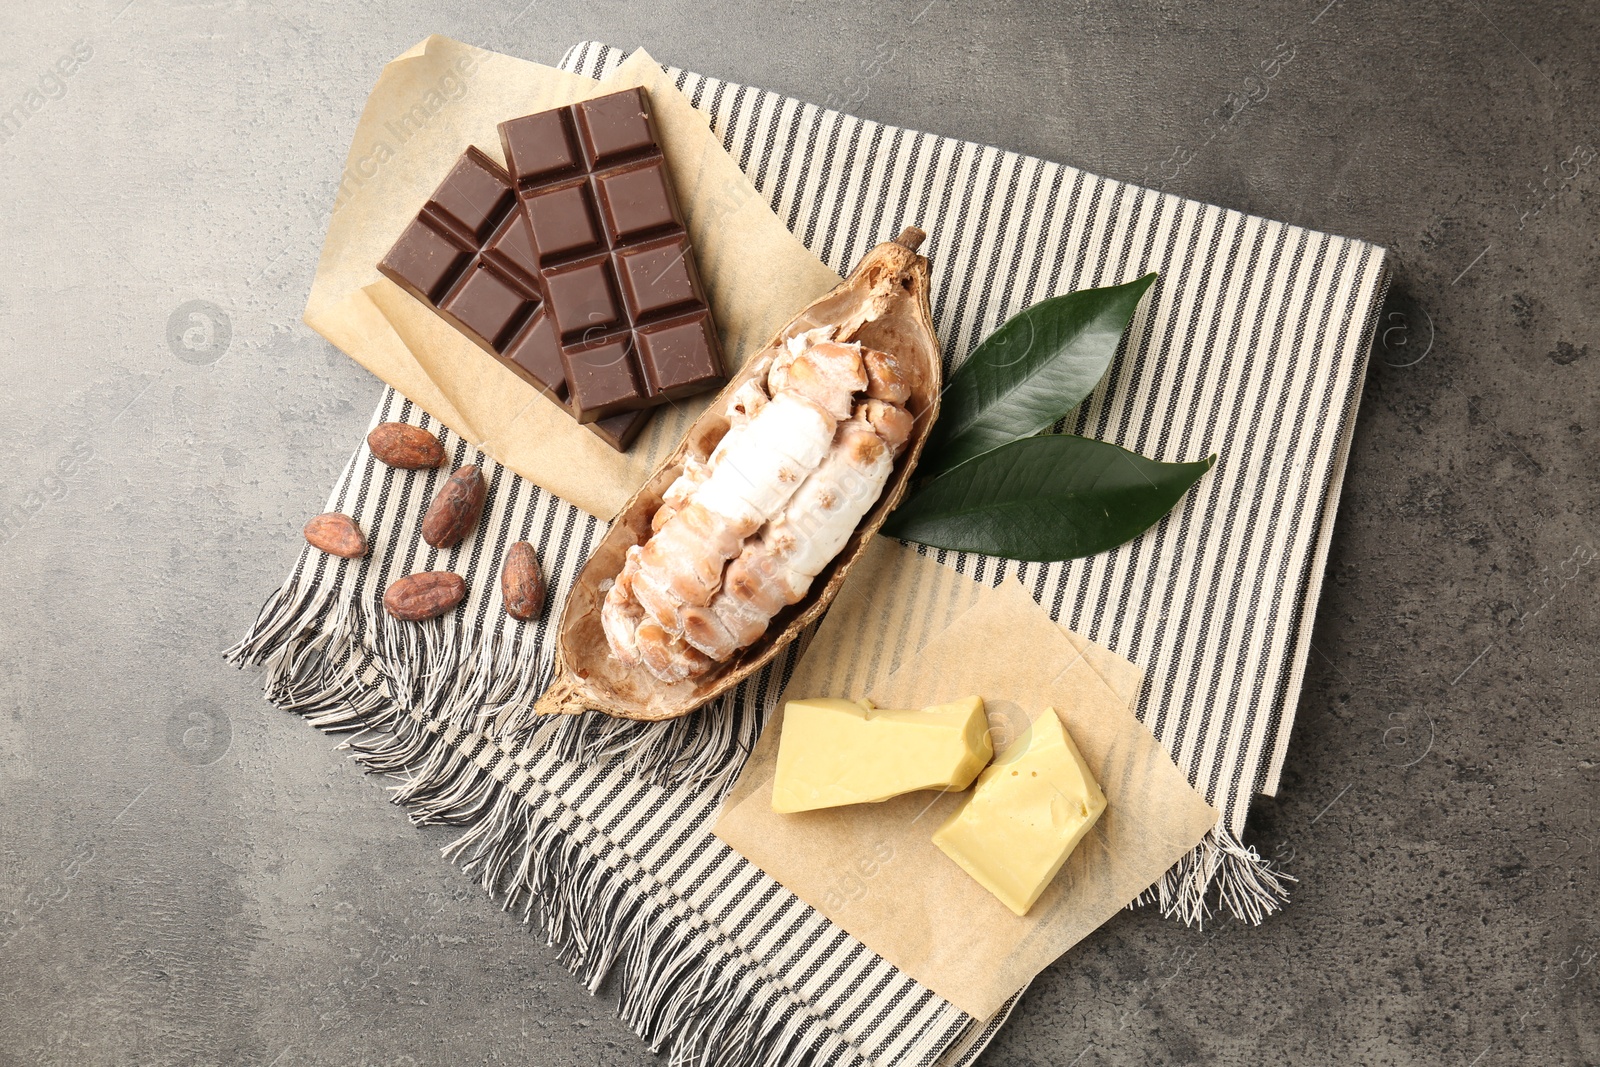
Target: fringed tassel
<point x="1248" y="887"/>
<point x="310" y="660"/>
<point x="399" y="683"/>
<point x="397" y="687"/>
<point x="675" y="990"/>
<point x="705" y="749"/>
<point x="292" y="608"/>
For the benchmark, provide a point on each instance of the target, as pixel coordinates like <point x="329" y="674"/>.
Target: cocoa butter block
<point x="1027" y="812"/>
<point x="836" y="752"/>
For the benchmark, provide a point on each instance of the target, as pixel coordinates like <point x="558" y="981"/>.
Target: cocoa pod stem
<point x="911" y="237"/>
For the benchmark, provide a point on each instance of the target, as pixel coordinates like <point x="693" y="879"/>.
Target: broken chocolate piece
<point x="469" y="255"/>
<point x="619" y="431"/>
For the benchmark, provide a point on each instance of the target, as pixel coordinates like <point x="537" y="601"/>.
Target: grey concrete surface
<point x="188" y="876"/>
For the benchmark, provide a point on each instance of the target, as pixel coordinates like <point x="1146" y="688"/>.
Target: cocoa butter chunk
<point x="521" y="584"/>
<point x="1027" y="813"/>
<point x="405" y="446"/>
<point x="424" y="596"/>
<point x="337" y="535"/>
<point x="837" y="752"/>
<point x="455" y="509"/>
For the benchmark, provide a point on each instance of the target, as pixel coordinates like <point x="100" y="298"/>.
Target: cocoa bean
<point x="521" y="584"/>
<point x="424" y="596"/>
<point x="407" y="447"/>
<point x="337" y="535"/>
<point x="455" y="509"/>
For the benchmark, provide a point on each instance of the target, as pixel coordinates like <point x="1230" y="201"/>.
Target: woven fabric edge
<point x="351" y="670"/>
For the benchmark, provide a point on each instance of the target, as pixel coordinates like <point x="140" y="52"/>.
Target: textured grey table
<point x="188" y="876"/>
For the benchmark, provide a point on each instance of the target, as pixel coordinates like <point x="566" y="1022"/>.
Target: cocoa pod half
<point x="521" y="584"/>
<point x="424" y="596"/>
<point x="408" y="447"/>
<point x="883" y="305"/>
<point x="337" y="535"/>
<point x="455" y="509"/>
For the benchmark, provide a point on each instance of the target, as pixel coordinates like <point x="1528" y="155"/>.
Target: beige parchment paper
<point x="427" y="106"/>
<point x="907" y="631"/>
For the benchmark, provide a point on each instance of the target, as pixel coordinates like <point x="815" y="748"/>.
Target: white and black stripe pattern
<point x="715" y="958"/>
<point x="1253" y="345"/>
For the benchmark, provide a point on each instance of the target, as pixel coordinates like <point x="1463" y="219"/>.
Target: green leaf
<point x="1044" y="499"/>
<point x="1031" y="371"/>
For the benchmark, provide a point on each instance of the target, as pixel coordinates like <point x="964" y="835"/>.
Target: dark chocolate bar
<point x="469" y="256"/>
<point x="623" y="293"/>
<point x="588" y="291"/>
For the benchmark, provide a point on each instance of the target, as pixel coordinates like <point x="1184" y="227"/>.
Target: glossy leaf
<point x="1045" y="498"/>
<point x="1030" y="372"/>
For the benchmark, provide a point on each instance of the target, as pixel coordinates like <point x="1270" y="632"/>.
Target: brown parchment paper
<point x="427" y="106"/>
<point x="908" y="632"/>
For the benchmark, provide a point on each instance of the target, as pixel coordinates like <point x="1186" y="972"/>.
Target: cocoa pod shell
<point x="884" y="305"/>
<point x="424" y="596"/>
<point x="455" y="509"/>
<point x="521" y="584"/>
<point x="408" y="447"/>
<point x="337" y="535"/>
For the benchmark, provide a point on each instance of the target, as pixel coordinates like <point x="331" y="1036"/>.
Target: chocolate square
<point x="602" y="380"/>
<point x="538" y="146"/>
<point x="619" y="431"/>
<point x="513" y="246"/>
<point x="472" y="195"/>
<point x="636" y="200"/>
<point x="427" y="260"/>
<point x="563" y="221"/>
<point x="488" y="305"/>
<point x="656" y="277"/>
<point x="536" y="356"/>
<point x="582" y="299"/>
<point x="680" y="357"/>
<point x="615" y="125"/>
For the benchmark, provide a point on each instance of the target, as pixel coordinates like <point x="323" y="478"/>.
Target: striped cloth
<point x="1253" y="345"/>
